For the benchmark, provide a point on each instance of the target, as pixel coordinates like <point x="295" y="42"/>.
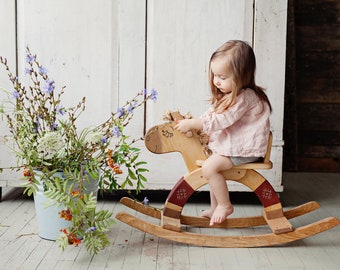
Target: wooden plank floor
<point x="22" y="248"/>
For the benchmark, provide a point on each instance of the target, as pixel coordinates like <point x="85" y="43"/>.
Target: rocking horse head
<point x="164" y="138"/>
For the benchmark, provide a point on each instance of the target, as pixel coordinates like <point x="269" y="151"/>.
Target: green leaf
<point x="141" y="177"/>
<point x="141" y="163"/>
<point x="132" y="174"/>
<point x="140" y="170"/>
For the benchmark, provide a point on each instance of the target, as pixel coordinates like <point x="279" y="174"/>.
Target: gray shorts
<point x="242" y="160"/>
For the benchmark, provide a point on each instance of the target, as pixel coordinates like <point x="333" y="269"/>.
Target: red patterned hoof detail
<point x="180" y="193"/>
<point x="267" y="194"/>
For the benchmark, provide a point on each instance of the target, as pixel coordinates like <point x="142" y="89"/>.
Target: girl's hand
<point x="187" y="124"/>
<point x="183" y="125"/>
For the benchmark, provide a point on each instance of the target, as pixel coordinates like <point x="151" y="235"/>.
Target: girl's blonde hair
<point x="240" y="59"/>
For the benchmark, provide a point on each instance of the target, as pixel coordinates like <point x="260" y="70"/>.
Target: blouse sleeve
<point x="213" y="121"/>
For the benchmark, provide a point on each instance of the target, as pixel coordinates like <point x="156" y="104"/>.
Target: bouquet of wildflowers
<point x="45" y="137"/>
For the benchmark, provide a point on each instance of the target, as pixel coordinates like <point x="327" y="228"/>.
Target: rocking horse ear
<point x="176" y="116"/>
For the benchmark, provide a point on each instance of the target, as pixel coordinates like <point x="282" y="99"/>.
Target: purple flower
<point x="103" y="140"/>
<point x="60" y="110"/>
<point x="48" y="87"/>
<point x="42" y="70"/>
<point x="91" y="229"/>
<point x="132" y="107"/>
<point x="146" y="201"/>
<point x="30" y="58"/>
<point x="15" y="94"/>
<point x="121" y="112"/>
<point x="116" y="132"/>
<point x="28" y="71"/>
<point x="144" y="92"/>
<point x="153" y="95"/>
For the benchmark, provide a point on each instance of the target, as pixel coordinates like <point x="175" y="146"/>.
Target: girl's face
<point x="222" y="75"/>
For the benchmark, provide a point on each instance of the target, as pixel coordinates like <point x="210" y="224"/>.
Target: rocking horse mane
<point x="164" y="138"/>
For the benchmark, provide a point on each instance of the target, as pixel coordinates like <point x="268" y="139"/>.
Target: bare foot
<point x="220" y="214"/>
<point x="208" y="213"/>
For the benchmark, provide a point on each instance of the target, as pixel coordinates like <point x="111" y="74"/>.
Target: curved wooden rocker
<point x="164" y="139"/>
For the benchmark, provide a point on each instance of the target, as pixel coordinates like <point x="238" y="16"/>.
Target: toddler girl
<point x="237" y="123"/>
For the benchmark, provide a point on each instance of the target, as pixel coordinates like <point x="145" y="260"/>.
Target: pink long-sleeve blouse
<point x="240" y="131"/>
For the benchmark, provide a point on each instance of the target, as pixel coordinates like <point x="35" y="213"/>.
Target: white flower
<point x="50" y="145"/>
<point x="94" y="138"/>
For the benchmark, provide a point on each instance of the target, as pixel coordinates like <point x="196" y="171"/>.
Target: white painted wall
<point x="106" y="50"/>
<point x="7" y="49"/>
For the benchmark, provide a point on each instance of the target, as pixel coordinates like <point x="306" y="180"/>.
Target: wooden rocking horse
<point x="164" y="139"/>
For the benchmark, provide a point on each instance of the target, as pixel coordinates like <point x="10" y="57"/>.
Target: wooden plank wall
<point x="108" y="51"/>
<point x="312" y="103"/>
<point x="7" y="49"/>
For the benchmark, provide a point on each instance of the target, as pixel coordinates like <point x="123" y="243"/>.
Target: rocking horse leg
<point x="174" y="204"/>
<point x="273" y="212"/>
<point x="178" y="197"/>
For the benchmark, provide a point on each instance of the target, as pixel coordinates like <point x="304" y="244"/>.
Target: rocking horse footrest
<point x="173" y="224"/>
<point x="279" y="225"/>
